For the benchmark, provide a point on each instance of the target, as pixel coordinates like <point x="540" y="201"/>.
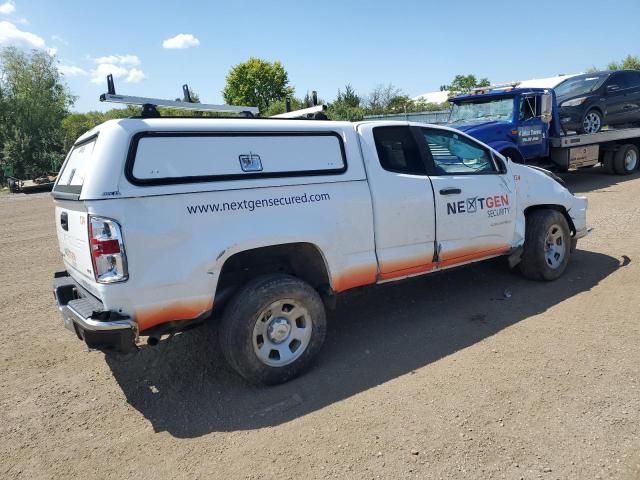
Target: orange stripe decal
<point x="150" y="317"/>
<point x="355" y="277"/>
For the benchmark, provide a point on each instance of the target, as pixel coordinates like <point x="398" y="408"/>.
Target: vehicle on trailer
<point x="590" y="101"/>
<point x="525" y="124"/>
<point x="161" y="221"/>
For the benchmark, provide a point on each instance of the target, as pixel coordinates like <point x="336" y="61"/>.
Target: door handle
<point x="64" y="221"/>
<point x="450" y="191"/>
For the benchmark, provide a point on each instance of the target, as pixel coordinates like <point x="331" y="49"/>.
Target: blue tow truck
<point x="523" y="124"/>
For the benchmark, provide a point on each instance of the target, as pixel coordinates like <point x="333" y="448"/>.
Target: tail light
<point x="107" y="250"/>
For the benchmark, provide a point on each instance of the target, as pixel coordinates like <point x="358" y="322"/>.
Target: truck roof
<point x="508" y="92"/>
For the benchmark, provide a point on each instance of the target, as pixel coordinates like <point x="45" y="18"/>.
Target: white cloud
<point x="52" y="51"/>
<point x="119" y="59"/>
<point x="12" y="35"/>
<point x="7" y="8"/>
<point x="99" y="74"/>
<point x="59" y="39"/>
<point x="182" y="40"/>
<point x="135" y="76"/>
<point x="72" y="71"/>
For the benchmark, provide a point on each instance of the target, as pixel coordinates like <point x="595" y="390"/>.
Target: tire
<point x="591" y="122"/>
<point x="626" y="160"/>
<point x="268" y="347"/>
<point x="547" y="245"/>
<point x="607" y="162"/>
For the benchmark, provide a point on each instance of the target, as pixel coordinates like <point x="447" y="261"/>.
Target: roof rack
<point x="149" y="104"/>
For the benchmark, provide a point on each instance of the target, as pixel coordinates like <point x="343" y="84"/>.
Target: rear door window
<point x="398" y="150"/>
<point x="71" y="177"/>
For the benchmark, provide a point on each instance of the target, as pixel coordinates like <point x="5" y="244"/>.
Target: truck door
<point x="402" y="197"/>
<point x="475" y="198"/>
<point x="532" y="132"/>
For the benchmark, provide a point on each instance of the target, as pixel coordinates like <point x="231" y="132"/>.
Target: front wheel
<point x="273" y="328"/>
<point x="547" y="245"/>
<point x="592" y="122"/>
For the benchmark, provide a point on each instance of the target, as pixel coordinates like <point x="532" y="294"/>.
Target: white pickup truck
<point x="160" y="221"/>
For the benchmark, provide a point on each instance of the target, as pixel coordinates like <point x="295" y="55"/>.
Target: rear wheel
<point x="547" y="245"/>
<point x="273" y="328"/>
<point x="625" y="161"/>
<point x="592" y="122"/>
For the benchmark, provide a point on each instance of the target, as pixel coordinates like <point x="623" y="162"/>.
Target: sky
<point x="153" y="47"/>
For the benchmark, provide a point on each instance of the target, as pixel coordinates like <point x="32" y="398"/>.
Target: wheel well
<point x="513" y="153"/>
<point x="558" y="208"/>
<point x="302" y="260"/>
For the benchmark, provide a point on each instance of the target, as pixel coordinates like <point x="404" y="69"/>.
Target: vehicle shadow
<point x="376" y="334"/>
<point x="595" y="178"/>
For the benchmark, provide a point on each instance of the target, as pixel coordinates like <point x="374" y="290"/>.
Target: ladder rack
<point x="149" y="104"/>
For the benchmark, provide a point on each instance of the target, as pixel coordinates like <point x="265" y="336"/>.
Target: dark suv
<point x="589" y="101"/>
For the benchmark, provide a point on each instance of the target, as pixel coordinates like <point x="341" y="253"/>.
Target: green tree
<point x="258" y="83"/>
<point x="347" y="106"/>
<point x="630" y="62"/>
<point x="382" y="99"/>
<point x="464" y="84"/>
<point x="34" y="103"/>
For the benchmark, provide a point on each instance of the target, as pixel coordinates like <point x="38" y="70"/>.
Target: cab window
<point x="454" y="154"/>
<point x="398" y="150"/>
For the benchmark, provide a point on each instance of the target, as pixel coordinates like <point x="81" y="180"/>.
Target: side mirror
<point x="612" y="88"/>
<point x="546" y="105"/>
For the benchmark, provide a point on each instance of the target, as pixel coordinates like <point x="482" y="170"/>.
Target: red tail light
<point x="107" y="250"/>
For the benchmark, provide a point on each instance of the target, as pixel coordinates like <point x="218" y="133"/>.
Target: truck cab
<point x="510" y="120"/>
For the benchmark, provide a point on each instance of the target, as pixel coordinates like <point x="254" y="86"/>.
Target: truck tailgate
<point x="73" y="237"/>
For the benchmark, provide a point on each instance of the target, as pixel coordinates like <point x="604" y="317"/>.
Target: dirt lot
<point x="437" y="377"/>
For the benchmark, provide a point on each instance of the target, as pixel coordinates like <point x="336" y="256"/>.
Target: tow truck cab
<point x="517" y="122"/>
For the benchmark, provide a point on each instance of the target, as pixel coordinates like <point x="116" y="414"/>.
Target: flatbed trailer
<point x="40" y="184"/>
<point x="569" y="152"/>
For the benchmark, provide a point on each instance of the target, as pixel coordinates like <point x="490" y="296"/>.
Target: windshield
<point x="482" y="111"/>
<point x="580" y="85"/>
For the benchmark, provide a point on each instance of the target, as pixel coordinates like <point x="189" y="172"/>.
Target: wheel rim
<point x="591" y="123"/>
<point x="630" y="160"/>
<point x="555" y="247"/>
<point x="282" y="333"/>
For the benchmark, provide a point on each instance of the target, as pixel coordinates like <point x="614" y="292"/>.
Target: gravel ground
<point x="436" y="377"/>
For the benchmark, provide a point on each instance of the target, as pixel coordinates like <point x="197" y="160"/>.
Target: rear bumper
<point x="84" y="315"/>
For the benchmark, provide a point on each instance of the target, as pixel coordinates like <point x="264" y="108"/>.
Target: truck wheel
<point x="625" y="161"/>
<point x="273" y="328"/>
<point x="592" y="122"/>
<point x="547" y="245"/>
